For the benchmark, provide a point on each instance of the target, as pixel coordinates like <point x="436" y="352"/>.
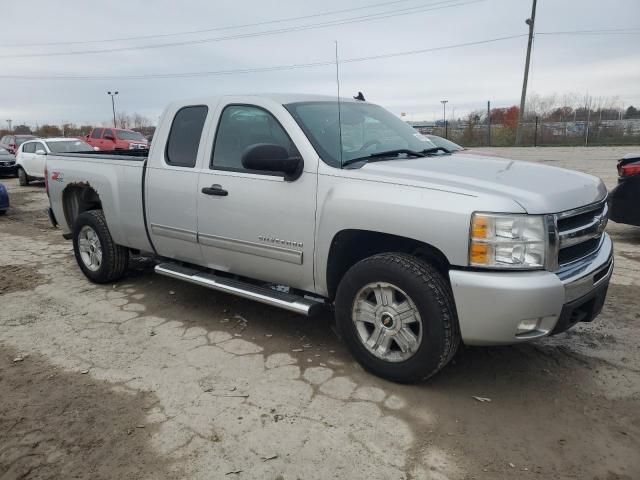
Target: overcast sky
<point x="603" y="65"/>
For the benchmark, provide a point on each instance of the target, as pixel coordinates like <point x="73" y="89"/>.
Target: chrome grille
<point x="580" y="231"/>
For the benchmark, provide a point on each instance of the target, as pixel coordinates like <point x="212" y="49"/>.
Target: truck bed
<point x="118" y="179"/>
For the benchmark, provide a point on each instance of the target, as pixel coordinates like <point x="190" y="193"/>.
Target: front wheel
<point x="23" y="178"/>
<point x="397" y="316"/>
<point x="99" y="258"/>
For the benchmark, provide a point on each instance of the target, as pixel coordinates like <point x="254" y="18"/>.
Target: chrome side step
<point x="293" y="303"/>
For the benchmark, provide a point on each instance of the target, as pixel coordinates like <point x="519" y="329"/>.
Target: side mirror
<point x="272" y="158"/>
<point x="40" y="152"/>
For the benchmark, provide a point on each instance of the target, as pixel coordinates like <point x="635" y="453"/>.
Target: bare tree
<point x="140" y="121"/>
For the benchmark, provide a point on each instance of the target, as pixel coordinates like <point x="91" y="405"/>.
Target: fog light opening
<point x="528" y="325"/>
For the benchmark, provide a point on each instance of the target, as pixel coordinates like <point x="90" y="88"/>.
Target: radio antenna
<point x="339" y="107"/>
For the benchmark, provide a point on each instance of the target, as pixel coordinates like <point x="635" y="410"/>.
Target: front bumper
<point x="493" y="307"/>
<point x="8" y="169"/>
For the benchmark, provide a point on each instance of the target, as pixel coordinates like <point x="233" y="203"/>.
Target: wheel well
<point x="77" y="199"/>
<point x="350" y="246"/>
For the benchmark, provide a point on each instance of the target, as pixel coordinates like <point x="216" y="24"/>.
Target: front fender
<point x="436" y="217"/>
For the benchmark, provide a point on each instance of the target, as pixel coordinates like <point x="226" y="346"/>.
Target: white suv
<point x="31" y="156"/>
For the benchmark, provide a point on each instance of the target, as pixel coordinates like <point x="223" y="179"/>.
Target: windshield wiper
<point x="386" y="154"/>
<point x="435" y="150"/>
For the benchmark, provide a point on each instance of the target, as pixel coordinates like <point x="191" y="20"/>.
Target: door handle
<point x="215" y="190"/>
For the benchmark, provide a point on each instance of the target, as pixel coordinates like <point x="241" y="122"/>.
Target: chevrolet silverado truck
<point x="306" y="202"/>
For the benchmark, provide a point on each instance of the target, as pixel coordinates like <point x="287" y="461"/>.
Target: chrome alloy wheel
<point x="90" y="248"/>
<point x="387" y="321"/>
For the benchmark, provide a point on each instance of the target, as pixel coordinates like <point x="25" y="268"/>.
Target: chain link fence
<point x="539" y="133"/>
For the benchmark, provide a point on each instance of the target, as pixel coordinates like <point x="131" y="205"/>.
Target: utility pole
<point x="9" y="125"/>
<point x="488" y="123"/>
<point x="444" y="115"/>
<point x="531" y="22"/>
<point x="113" y="107"/>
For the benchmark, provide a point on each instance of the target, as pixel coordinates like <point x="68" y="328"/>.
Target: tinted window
<point x="97" y="133"/>
<point x="39" y="146"/>
<point x="184" y="137"/>
<point x="29" y="147"/>
<point x="107" y="133"/>
<point x="242" y="126"/>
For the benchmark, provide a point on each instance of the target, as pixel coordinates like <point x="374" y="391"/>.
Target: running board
<point x="293" y="303"/>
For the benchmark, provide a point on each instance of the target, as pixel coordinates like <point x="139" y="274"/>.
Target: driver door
<point x="257" y="224"/>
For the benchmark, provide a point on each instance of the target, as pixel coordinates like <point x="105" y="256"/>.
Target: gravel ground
<point x="153" y="378"/>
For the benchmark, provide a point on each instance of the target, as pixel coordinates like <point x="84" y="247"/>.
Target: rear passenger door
<point x="25" y="156"/>
<point x="171" y="186"/>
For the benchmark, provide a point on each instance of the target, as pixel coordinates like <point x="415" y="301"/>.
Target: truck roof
<point x="281" y="98"/>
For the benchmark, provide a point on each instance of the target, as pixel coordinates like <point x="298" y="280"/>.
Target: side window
<point x="29" y="147"/>
<point x="97" y="133"/>
<point x="185" y="134"/>
<point x="39" y="146"/>
<point x="107" y="132"/>
<point x="241" y="126"/>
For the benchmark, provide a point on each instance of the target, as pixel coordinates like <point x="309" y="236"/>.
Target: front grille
<point x="580" y="232"/>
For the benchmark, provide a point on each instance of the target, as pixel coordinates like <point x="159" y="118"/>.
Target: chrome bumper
<point x="498" y="308"/>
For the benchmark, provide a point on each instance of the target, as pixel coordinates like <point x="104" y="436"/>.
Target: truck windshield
<point x="367" y="131"/>
<point x="127" y="135"/>
<point x="69" y="146"/>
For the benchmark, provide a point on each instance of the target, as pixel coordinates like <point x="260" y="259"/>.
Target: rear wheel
<point x="99" y="258"/>
<point x="397" y="316"/>
<point x="23" y="178"/>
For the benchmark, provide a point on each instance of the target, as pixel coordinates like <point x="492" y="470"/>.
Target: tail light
<point x="629" y="170"/>
<point x="46" y="180"/>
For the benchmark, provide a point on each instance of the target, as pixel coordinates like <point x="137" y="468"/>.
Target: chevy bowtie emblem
<point x="601" y="221"/>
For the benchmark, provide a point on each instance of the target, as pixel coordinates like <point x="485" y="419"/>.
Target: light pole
<point x="9" y="125"/>
<point x="444" y="115"/>
<point x="113" y="106"/>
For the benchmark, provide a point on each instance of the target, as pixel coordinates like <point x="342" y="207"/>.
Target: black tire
<point x="23" y="178"/>
<point x="115" y="258"/>
<point x="433" y="299"/>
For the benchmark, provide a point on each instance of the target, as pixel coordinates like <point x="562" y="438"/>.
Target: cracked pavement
<point x="211" y="386"/>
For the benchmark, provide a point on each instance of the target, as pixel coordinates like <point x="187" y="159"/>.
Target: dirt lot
<point x="153" y="378"/>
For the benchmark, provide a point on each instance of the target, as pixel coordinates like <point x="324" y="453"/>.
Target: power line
<point x="610" y="31"/>
<point x="257" y="69"/>
<point x="358" y="19"/>
<point x="208" y="30"/>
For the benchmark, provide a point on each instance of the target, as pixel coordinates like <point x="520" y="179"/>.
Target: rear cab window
<point x="29" y="147"/>
<point x="185" y="135"/>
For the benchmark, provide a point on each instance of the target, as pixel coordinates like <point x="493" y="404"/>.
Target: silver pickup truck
<point x="302" y="201"/>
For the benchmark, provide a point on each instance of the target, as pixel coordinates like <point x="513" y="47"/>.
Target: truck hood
<point x="537" y="188"/>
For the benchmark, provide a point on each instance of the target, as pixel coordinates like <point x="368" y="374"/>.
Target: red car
<point x="12" y="142"/>
<point x="116" y="139"/>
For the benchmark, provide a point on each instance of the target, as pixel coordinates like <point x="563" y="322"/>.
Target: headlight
<point x="507" y="241"/>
